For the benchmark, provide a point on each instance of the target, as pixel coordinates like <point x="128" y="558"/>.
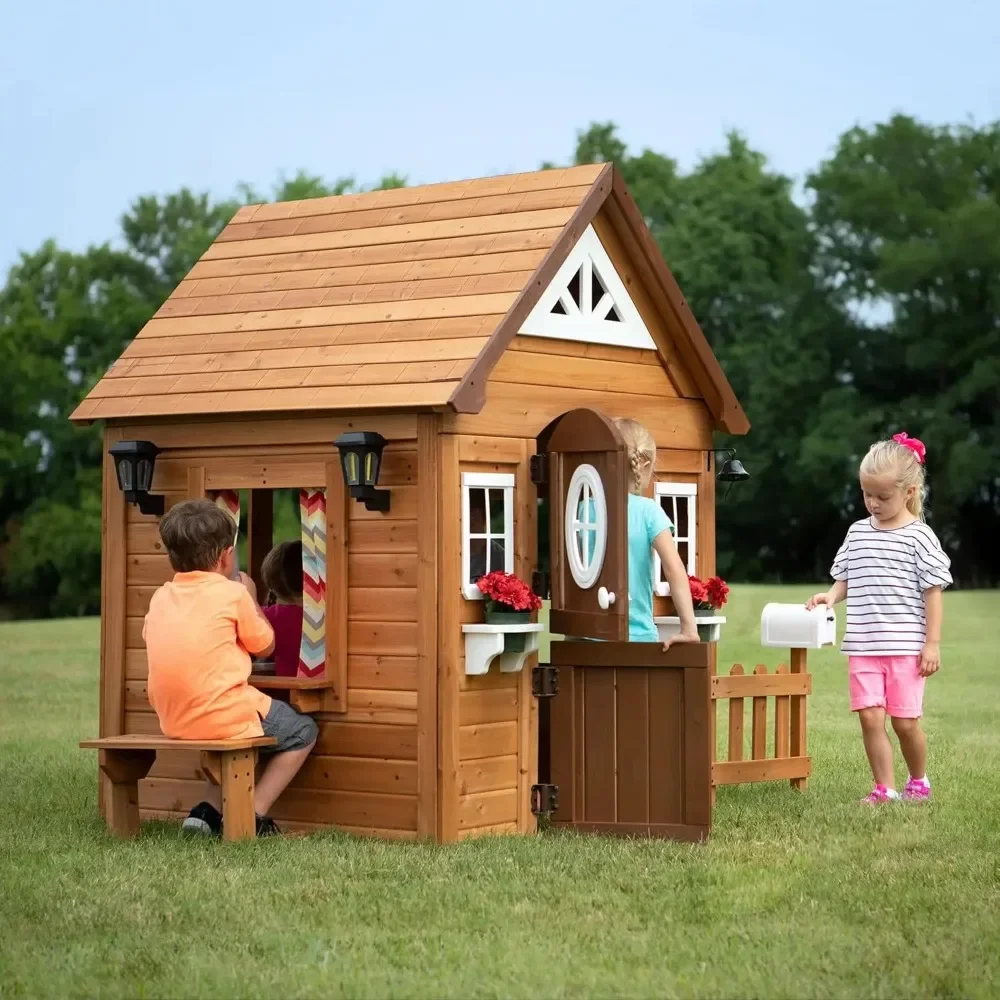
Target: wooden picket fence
<point x="787" y="690"/>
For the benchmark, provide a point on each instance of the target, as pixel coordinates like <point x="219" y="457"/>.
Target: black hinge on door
<point x="544" y="799"/>
<point x="540" y="583"/>
<point x="538" y="468"/>
<point x="545" y="681"/>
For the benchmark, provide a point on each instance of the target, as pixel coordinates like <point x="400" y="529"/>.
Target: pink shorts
<point x="890" y="682"/>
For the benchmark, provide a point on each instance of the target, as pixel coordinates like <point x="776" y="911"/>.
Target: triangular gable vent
<point x="587" y="301"/>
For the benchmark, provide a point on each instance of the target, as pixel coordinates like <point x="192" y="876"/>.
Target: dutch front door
<point x="588" y="528"/>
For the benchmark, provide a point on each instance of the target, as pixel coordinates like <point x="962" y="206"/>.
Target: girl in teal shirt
<point x="650" y="529"/>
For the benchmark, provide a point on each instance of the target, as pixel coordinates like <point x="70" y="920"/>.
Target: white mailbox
<point x="791" y="626"/>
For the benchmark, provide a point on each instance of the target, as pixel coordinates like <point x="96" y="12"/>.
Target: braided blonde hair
<point x="640" y="450"/>
<point x="892" y="458"/>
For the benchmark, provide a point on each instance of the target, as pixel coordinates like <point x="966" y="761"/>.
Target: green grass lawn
<point x="796" y="895"/>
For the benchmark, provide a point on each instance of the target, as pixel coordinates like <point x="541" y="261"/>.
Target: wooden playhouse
<point x="474" y="326"/>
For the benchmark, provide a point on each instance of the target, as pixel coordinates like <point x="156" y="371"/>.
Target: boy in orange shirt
<point x="200" y="632"/>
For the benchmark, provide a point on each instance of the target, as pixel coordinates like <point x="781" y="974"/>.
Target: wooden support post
<point x="449" y="589"/>
<point x="124" y="769"/>
<point x="736" y="720"/>
<point x="781" y="720"/>
<point x="428" y="480"/>
<point x="113" y="571"/>
<point x="798" y="720"/>
<point x="238" y="817"/>
<point x="334" y="699"/>
<point x="260" y="534"/>
<point x="758" y="725"/>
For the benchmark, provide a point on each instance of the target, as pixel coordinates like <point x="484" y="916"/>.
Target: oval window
<point x="586" y="526"/>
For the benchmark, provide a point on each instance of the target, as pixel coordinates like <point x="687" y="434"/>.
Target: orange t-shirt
<point x="200" y="631"/>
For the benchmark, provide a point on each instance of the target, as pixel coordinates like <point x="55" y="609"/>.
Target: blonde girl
<point x="892" y="570"/>
<point x="649" y="530"/>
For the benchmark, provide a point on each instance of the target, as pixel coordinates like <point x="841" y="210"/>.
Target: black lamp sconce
<point x="361" y="462"/>
<point x="134" y="462"/>
<point x="732" y="470"/>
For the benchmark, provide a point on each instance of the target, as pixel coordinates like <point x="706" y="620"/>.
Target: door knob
<point x="605" y="599"/>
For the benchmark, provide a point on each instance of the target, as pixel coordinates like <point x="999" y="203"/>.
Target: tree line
<point x="867" y="305"/>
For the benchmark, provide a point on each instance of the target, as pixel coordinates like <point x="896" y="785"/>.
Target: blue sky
<point x="103" y="101"/>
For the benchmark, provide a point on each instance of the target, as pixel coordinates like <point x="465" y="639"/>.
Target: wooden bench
<point x="229" y="763"/>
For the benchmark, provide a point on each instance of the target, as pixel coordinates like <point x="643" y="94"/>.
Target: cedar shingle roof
<point x="402" y="298"/>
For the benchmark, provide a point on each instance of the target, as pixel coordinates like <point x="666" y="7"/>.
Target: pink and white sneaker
<point x="880" y="794"/>
<point x="917" y="790"/>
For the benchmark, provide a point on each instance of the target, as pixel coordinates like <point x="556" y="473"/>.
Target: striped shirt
<point x="887" y="572"/>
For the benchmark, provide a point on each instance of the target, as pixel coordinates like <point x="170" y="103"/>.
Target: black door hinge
<point x="538" y="468"/>
<point x="544" y="799"/>
<point x="540" y="583"/>
<point x="545" y="681"/>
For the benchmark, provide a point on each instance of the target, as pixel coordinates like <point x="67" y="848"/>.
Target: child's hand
<point x="681" y="637"/>
<point x="930" y="659"/>
<point x="249" y="584"/>
<point x="817" y="599"/>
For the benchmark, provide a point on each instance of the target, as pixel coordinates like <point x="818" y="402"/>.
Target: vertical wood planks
<point x="798" y="717"/>
<point x="337" y="589"/>
<point x="781" y="720"/>
<point x="758" y="730"/>
<point x="736" y="720"/>
<point x="632" y="745"/>
<point x="428" y="476"/>
<point x="449" y="589"/>
<point x="698" y="749"/>
<point x="599" y="745"/>
<point x="526" y="559"/>
<point x="666" y="746"/>
<point x="562" y="741"/>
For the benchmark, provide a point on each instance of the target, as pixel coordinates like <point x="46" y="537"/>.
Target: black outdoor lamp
<point x="134" y="461"/>
<point x="361" y="462"/>
<point x="732" y="470"/>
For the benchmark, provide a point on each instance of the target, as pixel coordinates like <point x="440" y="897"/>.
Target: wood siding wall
<point x="363" y="775"/>
<point x="487" y="769"/>
<point x="487" y="724"/>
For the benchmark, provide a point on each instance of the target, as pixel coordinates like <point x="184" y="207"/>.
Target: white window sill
<point x="485" y="643"/>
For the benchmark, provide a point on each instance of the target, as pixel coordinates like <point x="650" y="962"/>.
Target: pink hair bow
<point x="915" y="445"/>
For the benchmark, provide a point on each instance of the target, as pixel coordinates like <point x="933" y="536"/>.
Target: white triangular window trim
<point x="587" y="301"/>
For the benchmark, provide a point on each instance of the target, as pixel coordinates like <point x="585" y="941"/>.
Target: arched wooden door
<point x="588" y="532"/>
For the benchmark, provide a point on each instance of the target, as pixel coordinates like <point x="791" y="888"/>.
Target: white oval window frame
<point x="586" y="475"/>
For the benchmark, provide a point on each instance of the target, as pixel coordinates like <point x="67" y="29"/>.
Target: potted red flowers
<point x="508" y="600"/>
<point x="708" y="597"/>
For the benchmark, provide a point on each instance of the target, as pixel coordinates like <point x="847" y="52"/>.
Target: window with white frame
<point x="487" y="527"/>
<point x="679" y="502"/>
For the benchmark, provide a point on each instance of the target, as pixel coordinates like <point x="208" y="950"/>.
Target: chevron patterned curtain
<point x="312" y="651"/>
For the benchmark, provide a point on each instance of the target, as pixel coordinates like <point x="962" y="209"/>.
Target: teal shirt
<point x="646" y="520"/>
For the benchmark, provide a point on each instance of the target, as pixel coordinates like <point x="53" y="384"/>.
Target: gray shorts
<point x="289" y="727"/>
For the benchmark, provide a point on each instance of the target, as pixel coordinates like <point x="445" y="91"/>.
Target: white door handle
<point x="605" y="599"/>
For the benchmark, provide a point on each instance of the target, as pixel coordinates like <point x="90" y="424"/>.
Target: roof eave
<point x="470" y="394"/>
<point x="696" y="352"/>
<point x="693" y="346"/>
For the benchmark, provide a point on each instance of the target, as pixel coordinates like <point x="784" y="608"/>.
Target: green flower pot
<point x="708" y="633"/>
<point x="501" y="614"/>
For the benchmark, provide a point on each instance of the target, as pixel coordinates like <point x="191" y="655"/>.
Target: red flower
<point x="718" y="592"/>
<point x="710" y="594"/>
<point x="699" y="594"/>
<point x="507" y="589"/>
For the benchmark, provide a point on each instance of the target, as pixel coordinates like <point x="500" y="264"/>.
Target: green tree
<point x="908" y="222"/>
<point x="742" y="249"/>
<point x="64" y="318"/>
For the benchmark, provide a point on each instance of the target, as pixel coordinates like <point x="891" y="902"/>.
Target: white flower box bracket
<point x="484" y="643"/>
<point x="709" y="627"/>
